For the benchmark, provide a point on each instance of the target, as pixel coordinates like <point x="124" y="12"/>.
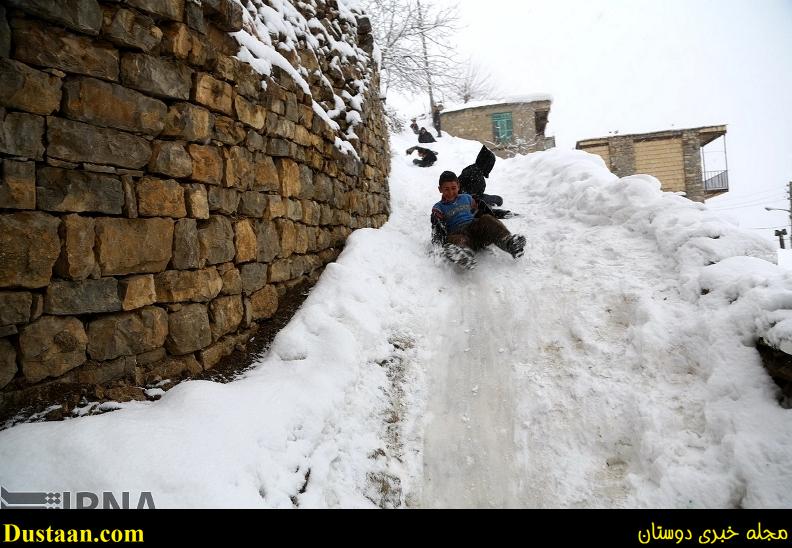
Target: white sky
<point x="648" y="65"/>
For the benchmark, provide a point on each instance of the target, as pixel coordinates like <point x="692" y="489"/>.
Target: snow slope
<point x="611" y="366"/>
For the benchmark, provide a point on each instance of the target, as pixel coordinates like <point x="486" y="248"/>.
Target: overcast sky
<point x="650" y="65"/>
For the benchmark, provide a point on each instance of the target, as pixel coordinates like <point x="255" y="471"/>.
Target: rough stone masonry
<point x="157" y="195"/>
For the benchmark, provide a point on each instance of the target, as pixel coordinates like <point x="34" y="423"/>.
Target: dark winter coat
<point x="472" y="179"/>
<point x="425" y="137"/>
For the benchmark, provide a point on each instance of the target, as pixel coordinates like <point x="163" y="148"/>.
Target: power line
<point x="754" y="196"/>
<point x="748" y="204"/>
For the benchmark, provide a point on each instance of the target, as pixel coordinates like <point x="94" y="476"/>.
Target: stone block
<point x="167" y="9"/>
<point x="249" y="113"/>
<point x="133" y="246"/>
<point x="8" y="366"/>
<point x="160" y="198"/>
<point x="169" y="368"/>
<point x="170" y="158"/>
<point x="225" y="14"/>
<point x="81" y="15"/>
<point x="280" y="271"/>
<point x="18" y="185"/>
<point x="188" y="330"/>
<point x="137" y="291"/>
<point x="176" y="41"/>
<point x="207" y="164"/>
<point x="129" y="29"/>
<point x="289" y="177"/>
<point x="197" y="201"/>
<point x="223" y="200"/>
<point x="105" y="104"/>
<point x="29" y="247"/>
<point x="311" y="212"/>
<point x="232" y="282"/>
<point x="15" y="307"/>
<point x="48" y="46"/>
<point x="78" y="191"/>
<point x="51" y="346"/>
<point x="214" y="94"/>
<point x="225" y="314"/>
<point x="193" y="16"/>
<point x="127" y="333"/>
<point x="175" y="286"/>
<point x="253" y="204"/>
<point x="301" y="238"/>
<point x="99" y="373"/>
<point x="76" y="260"/>
<point x="239" y="171"/>
<point x="216" y="237"/>
<point x="82" y="297"/>
<point x="254" y="277"/>
<point x="294" y="210"/>
<point x="266" y="174"/>
<point x="79" y="142"/>
<point x="156" y="76"/>
<point x="5" y="34"/>
<point x="276" y="207"/>
<point x="188" y="122"/>
<point x="228" y="131"/>
<point x="28" y="89"/>
<point x="22" y="134"/>
<point x="267" y="241"/>
<point x="212" y="354"/>
<point x="264" y="303"/>
<point x="255" y="141"/>
<point x="186" y="251"/>
<point x="288" y="236"/>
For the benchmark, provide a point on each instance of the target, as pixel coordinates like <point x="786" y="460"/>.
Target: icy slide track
<point x="590" y="373"/>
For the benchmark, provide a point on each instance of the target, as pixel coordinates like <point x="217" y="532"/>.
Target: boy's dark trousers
<point x="481" y="232"/>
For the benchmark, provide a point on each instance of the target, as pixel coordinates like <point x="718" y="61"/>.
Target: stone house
<point x="508" y="127"/>
<point x="675" y="157"/>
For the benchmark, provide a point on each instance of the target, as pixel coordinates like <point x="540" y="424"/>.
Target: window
<point x="502" y="127"/>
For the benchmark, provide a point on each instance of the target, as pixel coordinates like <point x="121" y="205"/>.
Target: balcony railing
<point x="716" y="180"/>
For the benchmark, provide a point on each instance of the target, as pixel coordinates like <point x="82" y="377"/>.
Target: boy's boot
<point x="513" y="244"/>
<point x="461" y="256"/>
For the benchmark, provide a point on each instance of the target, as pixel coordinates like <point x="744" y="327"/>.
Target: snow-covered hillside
<point x="612" y="366"/>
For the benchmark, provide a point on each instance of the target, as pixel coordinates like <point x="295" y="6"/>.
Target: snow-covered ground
<point x="612" y="366"/>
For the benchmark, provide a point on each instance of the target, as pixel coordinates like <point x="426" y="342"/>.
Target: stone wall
<point x="476" y="123"/>
<point x="158" y="195"/>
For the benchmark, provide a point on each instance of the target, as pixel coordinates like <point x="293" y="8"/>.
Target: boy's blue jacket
<point x="454" y="215"/>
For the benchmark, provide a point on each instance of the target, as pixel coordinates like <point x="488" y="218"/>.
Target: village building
<point x="677" y="158"/>
<point x="506" y="126"/>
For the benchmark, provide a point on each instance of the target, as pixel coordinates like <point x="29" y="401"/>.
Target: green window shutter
<point x="502" y="127"/>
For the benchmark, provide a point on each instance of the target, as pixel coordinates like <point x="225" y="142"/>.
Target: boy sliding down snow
<point x="455" y="226"/>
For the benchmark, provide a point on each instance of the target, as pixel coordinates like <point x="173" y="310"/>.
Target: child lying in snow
<point x="428" y="157"/>
<point x="455" y="226"/>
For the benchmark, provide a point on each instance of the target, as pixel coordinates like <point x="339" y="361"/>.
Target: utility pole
<point x="789" y="191"/>
<point x="426" y="59"/>
<point x="781" y="233"/>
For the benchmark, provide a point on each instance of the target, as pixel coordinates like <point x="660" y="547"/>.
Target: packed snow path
<point x="612" y="366"/>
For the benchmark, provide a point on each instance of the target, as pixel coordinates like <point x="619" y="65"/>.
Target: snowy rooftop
<point x="454" y="106"/>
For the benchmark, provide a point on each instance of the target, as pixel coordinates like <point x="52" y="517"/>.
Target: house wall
<point x="476" y="124"/>
<point x="662" y="158"/>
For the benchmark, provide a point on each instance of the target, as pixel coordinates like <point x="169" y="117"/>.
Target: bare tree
<point x="474" y="83"/>
<point x="415" y="42"/>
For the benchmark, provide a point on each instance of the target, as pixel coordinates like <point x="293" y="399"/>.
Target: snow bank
<point x="718" y="262"/>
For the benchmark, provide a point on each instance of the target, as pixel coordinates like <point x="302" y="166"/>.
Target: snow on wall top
<point x="283" y="33"/>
